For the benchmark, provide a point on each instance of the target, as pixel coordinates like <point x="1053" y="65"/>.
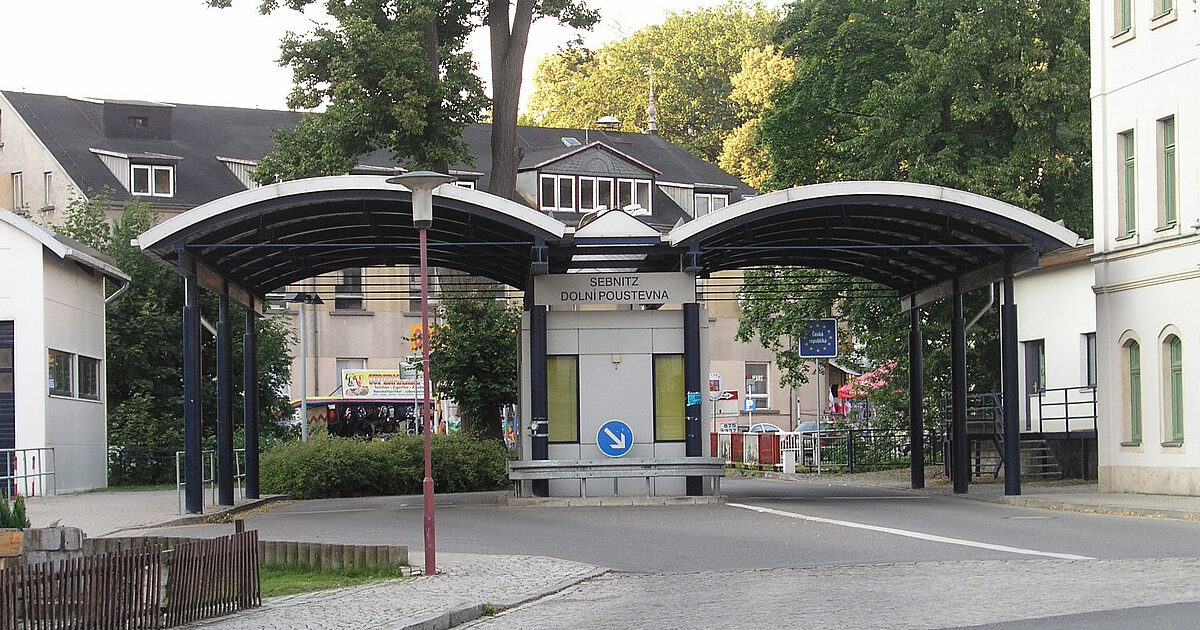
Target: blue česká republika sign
<point x="819" y="340"/>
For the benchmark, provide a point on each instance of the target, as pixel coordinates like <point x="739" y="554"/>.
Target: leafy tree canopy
<point x="395" y="75"/>
<point x="742" y="154"/>
<point x="989" y="96"/>
<point x="473" y="360"/>
<point x="693" y="55"/>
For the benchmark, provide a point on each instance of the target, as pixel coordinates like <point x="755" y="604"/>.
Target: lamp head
<point x="422" y="183"/>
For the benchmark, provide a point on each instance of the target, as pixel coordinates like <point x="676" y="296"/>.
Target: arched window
<point x="1132" y="358"/>
<point x="1173" y="389"/>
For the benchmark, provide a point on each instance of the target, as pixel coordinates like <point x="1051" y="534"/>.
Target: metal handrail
<point x="209" y="478"/>
<point x="1060" y="405"/>
<point x="21" y="464"/>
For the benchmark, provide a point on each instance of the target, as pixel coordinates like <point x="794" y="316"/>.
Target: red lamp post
<point x="422" y="183"/>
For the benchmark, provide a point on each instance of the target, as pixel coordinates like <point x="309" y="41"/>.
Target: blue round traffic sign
<point x="614" y="438"/>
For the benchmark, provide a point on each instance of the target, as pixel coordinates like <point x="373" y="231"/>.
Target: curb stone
<point x="461" y="615"/>
<point x="204" y="519"/>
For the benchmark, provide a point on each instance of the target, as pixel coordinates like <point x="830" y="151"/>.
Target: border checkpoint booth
<point x="631" y="349"/>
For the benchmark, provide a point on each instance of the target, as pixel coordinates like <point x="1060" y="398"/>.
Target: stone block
<point x="266" y="552"/>
<point x="72" y="538"/>
<point x="371" y="553"/>
<point x="314" y="556"/>
<point x="43" y="539"/>
<point x="35" y="557"/>
<point x="360" y="557"/>
<point x="291" y="553"/>
<point x="348" y="557"/>
<point x="304" y="554"/>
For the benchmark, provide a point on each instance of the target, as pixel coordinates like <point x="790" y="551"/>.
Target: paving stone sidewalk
<point x="882" y="596"/>
<point x="465" y="583"/>
<point x="105" y="513"/>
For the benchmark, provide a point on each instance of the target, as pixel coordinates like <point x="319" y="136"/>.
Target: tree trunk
<point x="508" y="44"/>
<point x="431" y="42"/>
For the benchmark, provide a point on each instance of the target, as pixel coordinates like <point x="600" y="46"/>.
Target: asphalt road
<point x="816" y="553"/>
<point x="722" y="537"/>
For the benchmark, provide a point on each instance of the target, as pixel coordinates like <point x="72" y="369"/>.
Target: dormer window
<point x="156" y="181"/>
<point x="709" y="202"/>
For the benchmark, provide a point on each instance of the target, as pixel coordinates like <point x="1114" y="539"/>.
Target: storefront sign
<point x="369" y="384"/>
<point x="572" y="289"/>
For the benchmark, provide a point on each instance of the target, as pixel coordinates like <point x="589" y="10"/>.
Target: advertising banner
<point x="375" y="384"/>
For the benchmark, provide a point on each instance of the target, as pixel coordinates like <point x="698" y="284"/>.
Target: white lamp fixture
<point x="422" y="183"/>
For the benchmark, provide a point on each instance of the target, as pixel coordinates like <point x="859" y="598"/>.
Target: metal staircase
<point x="985" y="440"/>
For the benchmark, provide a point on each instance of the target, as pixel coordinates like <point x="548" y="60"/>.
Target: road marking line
<point x="331" y="511"/>
<point x="911" y="534"/>
<point x="887" y="498"/>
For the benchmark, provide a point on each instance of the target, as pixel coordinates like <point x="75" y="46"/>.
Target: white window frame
<point x="47" y="185"/>
<point x="18" y="190"/>
<point x="594" y="197"/>
<point x="79" y="362"/>
<point x="712" y="199"/>
<point x="151" y="171"/>
<point x="465" y="183"/>
<point x="556" y="204"/>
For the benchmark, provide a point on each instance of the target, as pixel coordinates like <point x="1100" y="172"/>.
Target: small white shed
<point x="52" y="359"/>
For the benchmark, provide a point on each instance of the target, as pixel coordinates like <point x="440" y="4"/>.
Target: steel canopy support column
<point x="250" y="401"/>
<point x="193" y="465"/>
<point x="916" y="400"/>
<point x="224" y="404"/>
<point x="538" y="427"/>
<point x="1012" y="429"/>
<point x="961" y="470"/>
<point x="693" y="447"/>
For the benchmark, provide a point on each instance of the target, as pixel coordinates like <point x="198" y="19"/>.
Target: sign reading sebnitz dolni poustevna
<point x="572" y="289"/>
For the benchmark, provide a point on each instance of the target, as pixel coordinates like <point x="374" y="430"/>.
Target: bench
<point x="584" y="469"/>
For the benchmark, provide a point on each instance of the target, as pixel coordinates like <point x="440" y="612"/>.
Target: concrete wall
<point x="1055" y="304"/>
<point x="1147" y="285"/>
<point x="612" y="389"/>
<point x="76" y="428"/>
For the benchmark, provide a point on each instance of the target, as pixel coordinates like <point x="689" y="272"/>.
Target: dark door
<point x="8" y="412"/>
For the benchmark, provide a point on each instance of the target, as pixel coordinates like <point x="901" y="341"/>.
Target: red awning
<point x="862" y="386"/>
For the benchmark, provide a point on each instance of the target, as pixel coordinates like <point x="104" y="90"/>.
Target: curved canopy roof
<point x="265" y="238"/>
<point x="909" y="237"/>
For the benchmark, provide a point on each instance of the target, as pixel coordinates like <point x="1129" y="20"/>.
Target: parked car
<point x="765" y="427"/>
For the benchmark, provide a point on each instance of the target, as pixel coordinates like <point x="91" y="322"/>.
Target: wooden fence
<point x="126" y="589"/>
<point x="213" y="577"/>
<point x="119" y="590"/>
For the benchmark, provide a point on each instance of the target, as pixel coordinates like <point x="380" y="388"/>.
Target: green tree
<point x="144" y="367"/>
<point x="989" y="96"/>
<point x="473" y="359"/>
<point x="763" y="70"/>
<point x="693" y="55"/>
<point x="395" y="75"/>
<point x="776" y="302"/>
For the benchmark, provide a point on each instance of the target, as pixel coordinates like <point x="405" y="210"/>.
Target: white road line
<point x="910" y="534"/>
<point x="332" y="511"/>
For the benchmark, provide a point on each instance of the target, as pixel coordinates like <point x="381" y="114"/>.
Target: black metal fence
<point x="859" y="450"/>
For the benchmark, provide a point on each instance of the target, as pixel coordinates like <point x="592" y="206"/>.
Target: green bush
<point x="15" y="516"/>
<point x="330" y="466"/>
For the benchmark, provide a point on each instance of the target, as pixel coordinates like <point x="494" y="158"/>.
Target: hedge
<point x="330" y="466"/>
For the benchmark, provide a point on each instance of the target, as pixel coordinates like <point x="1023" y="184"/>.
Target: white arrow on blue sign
<point x="614" y="438"/>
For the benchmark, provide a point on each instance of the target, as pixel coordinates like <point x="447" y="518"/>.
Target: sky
<point x="182" y="51"/>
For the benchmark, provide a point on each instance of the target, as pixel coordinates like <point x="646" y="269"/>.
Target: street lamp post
<point x="302" y="299"/>
<point x="422" y="183"/>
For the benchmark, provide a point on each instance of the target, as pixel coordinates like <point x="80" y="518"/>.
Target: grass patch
<point x="279" y="580"/>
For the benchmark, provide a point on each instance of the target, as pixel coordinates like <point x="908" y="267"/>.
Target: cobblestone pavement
<point x="463" y="581"/>
<point x="917" y="595"/>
